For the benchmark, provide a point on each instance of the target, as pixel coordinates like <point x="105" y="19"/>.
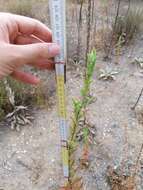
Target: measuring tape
<point x="58" y="20"/>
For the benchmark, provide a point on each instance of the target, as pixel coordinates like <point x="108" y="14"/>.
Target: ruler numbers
<point x="58" y="23"/>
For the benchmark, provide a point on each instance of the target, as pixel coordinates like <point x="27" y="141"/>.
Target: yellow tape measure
<point x="62" y="117"/>
<point x="61" y="96"/>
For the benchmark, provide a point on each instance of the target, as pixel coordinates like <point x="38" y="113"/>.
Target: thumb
<point x="35" y="52"/>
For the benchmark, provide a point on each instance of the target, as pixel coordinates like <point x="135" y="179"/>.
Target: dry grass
<point x="129" y="25"/>
<point x="20" y="7"/>
<point x="25" y="95"/>
<point x="3" y="100"/>
<point x="31" y="8"/>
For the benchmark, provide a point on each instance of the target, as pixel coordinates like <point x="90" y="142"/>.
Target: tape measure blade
<point x="60" y="69"/>
<point x="58" y="23"/>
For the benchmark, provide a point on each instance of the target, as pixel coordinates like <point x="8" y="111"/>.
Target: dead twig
<point x="138" y="99"/>
<point x="89" y="12"/>
<point x="114" y="27"/>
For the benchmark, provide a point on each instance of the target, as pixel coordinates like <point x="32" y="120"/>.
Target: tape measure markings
<point x="57" y="10"/>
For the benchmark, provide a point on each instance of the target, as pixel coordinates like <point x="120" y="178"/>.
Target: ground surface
<point x="30" y="159"/>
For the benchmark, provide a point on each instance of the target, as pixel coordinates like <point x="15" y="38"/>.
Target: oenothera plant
<point x="79" y="113"/>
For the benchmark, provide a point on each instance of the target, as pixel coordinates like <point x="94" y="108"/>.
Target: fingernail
<point x="54" y="50"/>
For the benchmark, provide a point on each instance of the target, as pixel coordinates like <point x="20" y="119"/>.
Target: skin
<point x="24" y="41"/>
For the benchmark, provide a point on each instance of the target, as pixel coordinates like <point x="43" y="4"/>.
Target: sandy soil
<point x="30" y="159"/>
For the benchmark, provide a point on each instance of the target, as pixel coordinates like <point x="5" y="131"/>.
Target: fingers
<point x="23" y="40"/>
<point x="13" y="57"/>
<point x="41" y="64"/>
<point x="25" y="77"/>
<point x="44" y="64"/>
<point x="30" y="26"/>
<point x="35" y="52"/>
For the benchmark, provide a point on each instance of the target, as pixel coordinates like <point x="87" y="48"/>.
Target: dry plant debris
<point x="139" y="114"/>
<point x="76" y="61"/>
<point x="120" y="182"/>
<point x="91" y="132"/>
<point x="76" y="185"/>
<point x="19" y="116"/>
<point x="107" y="74"/>
<point x="84" y="161"/>
<point x="138" y="61"/>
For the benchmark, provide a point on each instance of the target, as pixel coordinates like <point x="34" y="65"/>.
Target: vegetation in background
<point x="128" y="25"/>
<point x="23" y="95"/>
<point x="31" y="8"/>
<point x="13" y="97"/>
<point x="3" y="101"/>
<point x="120" y="29"/>
<point x="105" y="30"/>
<point x="20" y="7"/>
<point x="79" y="113"/>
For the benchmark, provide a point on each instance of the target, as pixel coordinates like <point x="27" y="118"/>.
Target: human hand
<point x="24" y="41"/>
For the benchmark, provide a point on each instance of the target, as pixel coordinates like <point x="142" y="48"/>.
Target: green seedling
<point x="86" y="100"/>
<point x="107" y="74"/>
<point x="79" y="113"/>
